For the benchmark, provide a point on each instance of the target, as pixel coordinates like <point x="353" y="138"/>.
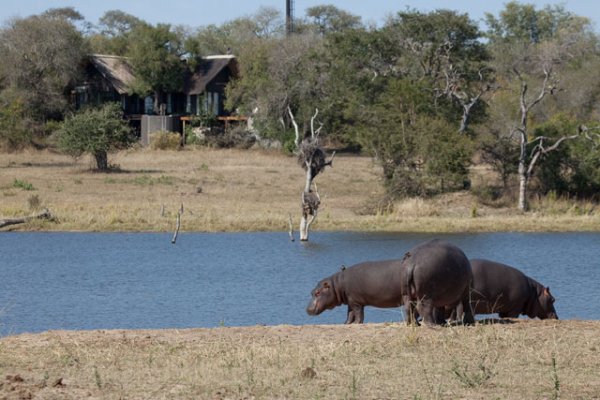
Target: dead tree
<point x="21" y="220"/>
<point x="313" y="160"/>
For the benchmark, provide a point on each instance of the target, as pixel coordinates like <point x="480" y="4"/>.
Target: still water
<point x="141" y="280"/>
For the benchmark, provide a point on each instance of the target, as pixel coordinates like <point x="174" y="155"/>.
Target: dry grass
<point x="236" y="190"/>
<point x="524" y="360"/>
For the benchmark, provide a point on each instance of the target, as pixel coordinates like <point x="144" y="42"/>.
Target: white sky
<point x="196" y="13"/>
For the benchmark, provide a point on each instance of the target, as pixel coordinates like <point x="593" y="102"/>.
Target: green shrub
<point x="17" y="183"/>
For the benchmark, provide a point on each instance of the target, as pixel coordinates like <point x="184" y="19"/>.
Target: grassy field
<point x="518" y="360"/>
<point x="233" y="190"/>
<point x="236" y="190"/>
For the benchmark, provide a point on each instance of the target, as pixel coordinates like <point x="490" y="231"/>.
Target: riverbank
<point x="241" y="190"/>
<point x="521" y="359"/>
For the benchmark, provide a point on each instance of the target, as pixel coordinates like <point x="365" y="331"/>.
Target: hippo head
<point x="546" y="304"/>
<point x="323" y="298"/>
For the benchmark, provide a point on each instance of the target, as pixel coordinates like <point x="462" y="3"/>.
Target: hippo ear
<point x="547" y="290"/>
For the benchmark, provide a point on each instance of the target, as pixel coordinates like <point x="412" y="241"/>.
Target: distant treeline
<point x="426" y="94"/>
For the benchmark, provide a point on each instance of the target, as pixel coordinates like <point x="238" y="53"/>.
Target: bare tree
<point x="312" y="158"/>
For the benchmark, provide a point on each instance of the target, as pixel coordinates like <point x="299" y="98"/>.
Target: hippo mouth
<point x="313" y="308"/>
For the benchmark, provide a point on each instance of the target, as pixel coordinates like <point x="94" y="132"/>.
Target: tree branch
<point x="295" y="126"/>
<point x="312" y="125"/>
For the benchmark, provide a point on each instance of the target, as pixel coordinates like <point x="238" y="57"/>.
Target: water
<point x="141" y="280"/>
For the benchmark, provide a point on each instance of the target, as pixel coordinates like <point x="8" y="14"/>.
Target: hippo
<point x="434" y="274"/>
<point x="372" y="283"/>
<point x="502" y="289"/>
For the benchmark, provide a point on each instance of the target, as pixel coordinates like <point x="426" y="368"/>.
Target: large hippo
<point x="502" y="289"/>
<point x="434" y="274"/>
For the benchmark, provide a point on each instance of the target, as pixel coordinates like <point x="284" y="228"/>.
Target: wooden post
<point x="291" y="228"/>
<point x="176" y="228"/>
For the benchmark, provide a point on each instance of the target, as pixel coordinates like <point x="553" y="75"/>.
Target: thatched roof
<point x="116" y="70"/>
<point x="119" y="72"/>
<point x="206" y="71"/>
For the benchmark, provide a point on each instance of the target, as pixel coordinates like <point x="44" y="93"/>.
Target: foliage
<point x="14" y="132"/>
<point x="277" y="74"/>
<point x="39" y="58"/>
<point x="328" y="19"/>
<point x="112" y="33"/>
<point x="96" y="131"/>
<point x="573" y="169"/>
<point x="17" y="183"/>
<point x="418" y="150"/>
<point x="538" y="54"/>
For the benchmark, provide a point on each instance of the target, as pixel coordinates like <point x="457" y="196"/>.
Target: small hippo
<point x="502" y="289"/>
<point x="373" y="283"/>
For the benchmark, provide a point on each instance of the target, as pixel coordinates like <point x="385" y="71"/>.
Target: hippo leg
<point x="350" y="317"/>
<point x="464" y="311"/>
<point x="439" y="314"/>
<point x="427" y="312"/>
<point x="356" y="314"/>
<point x="410" y="312"/>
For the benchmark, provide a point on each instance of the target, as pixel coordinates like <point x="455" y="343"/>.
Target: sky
<point x="197" y="13"/>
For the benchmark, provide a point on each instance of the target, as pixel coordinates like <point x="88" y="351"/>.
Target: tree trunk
<point x="304" y="229"/>
<point x="523" y="205"/>
<point x="101" y="160"/>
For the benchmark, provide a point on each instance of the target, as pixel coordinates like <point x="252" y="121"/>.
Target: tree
<point x="39" y="58"/>
<point x="239" y="35"/>
<point x="312" y="159"/>
<point x="155" y="54"/>
<point x="278" y="73"/>
<point x="444" y="48"/>
<point x="14" y="121"/>
<point x="327" y="19"/>
<point x="419" y="151"/>
<point x="112" y="33"/>
<point x="96" y="131"/>
<point x="407" y="93"/>
<point x="534" y="51"/>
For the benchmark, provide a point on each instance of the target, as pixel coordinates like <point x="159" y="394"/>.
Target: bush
<point x="96" y="131"/>
<point x="14" y="132"/>
<point x="165" y="141"/>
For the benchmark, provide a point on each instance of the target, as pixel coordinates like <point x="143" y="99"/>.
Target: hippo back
<point x="500" y="288"/>
<point x="440" y="271"/>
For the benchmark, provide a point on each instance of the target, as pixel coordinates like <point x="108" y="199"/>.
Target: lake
<point x="141" y="280"/>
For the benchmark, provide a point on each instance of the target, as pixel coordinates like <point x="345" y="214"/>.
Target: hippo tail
<point x="408" y="285"/>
